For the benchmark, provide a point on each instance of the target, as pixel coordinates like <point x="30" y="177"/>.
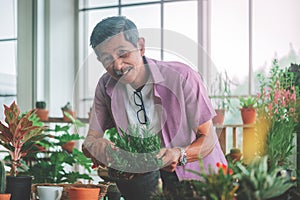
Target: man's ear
<point x="98" y="58"/>
<point x="141" y="45"/>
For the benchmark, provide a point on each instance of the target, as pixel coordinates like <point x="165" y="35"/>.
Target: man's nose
<point x="118" y="64"/>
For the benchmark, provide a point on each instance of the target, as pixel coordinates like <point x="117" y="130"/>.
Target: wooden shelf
<point x="61" y="120"/>
<point x="234" y="125"/>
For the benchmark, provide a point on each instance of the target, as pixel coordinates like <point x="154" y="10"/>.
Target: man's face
<point x="121" y="59"/>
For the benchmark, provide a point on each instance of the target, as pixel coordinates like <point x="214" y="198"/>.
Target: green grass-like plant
<point x="137" y="147"/>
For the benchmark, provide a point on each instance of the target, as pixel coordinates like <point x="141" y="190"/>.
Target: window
<point x="241" y="37"/>
<point x="240" y="47"/>
<point x="151" y="17"/>
<point x="8" y="45"/>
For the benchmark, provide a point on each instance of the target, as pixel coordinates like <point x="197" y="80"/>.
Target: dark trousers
<point x="170" y="181"/>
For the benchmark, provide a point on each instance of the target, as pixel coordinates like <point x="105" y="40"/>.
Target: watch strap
<point x="183" y="158"/>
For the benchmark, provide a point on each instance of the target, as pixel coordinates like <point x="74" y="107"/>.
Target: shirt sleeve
<point x="101" y="119"/>
<point x="198" y="104"/>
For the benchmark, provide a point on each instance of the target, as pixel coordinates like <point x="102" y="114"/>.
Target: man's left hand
<point x="170" y="158"/>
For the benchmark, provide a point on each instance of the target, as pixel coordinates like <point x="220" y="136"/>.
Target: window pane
<point x="96" y="3"/>
<point x="91" y="67"/>
<point x="229" y="42"/>
<point x="148" y="25"/>
<point x="7" y="19"/>
<point x="136" y="1"/>
<point x="8" y="57"/>
<point x="276" y="33"/>
<point x="150" y="13"/>
<point x="8" y="78"/>
<point x="182" y="18"/>
<point x="183" y="29"/>
<point x="94" y="17"/>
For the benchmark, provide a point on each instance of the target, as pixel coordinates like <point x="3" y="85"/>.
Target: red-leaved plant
<point x="18" y="134"/>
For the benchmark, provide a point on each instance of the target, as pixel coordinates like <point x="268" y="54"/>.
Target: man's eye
<point x="124" y="54"/>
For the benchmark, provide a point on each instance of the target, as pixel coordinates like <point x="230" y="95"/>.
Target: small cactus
<point x="40" y="104"/>
<point x="2" y="178"/>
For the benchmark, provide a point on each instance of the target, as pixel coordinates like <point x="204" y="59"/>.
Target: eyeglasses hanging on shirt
<point x="141" y="113"/>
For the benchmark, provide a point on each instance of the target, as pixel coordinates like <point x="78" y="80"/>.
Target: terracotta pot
<point x="42" y="114"/>
<point x="5" y="196"/>
<point x="248" y="115"/>
<point x="219" y="118"/>
<point x="72" y="113"/>
<point x="83" y="193"/>
<point x="68" y="146"/>
<point x="235" y="156"/>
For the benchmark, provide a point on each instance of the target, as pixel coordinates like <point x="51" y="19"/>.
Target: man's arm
<point x="94" y="147"/>
<point x="203" y="145"/>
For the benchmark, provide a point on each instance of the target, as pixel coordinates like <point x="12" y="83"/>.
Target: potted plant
<point x="215" y="185"/>
<point x="52" y="165"/>
<point x="235" y="154"/>
<point x="113" y="193"/>
<point x="258" y="181"/>
<point x="68" y="114"/>
<point x="18" y="135"/>
<point x="41" y="110"/>
<point x="138" y="149"/>
<point x="221" y="91"/>
<point x="248" y="109"/>
<point x="277" y="109"/>
<point x="67" y="140"/>
<point x="79" y="193"/>
<point x="3" y="195"/>
<point x="294" y="69"/>
<point x="136" y="157"/>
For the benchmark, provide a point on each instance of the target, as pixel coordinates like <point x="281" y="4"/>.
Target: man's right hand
<point x="96" y="148"/>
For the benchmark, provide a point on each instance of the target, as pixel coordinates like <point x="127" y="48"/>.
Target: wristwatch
<point x="183" y="158"/>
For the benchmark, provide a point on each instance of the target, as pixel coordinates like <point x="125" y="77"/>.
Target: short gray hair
<point x="112" y="26"/>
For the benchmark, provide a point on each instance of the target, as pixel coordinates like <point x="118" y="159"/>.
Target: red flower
<point x="222" y="167"/>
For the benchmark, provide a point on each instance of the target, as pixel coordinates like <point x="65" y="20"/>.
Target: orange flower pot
<point x="42" y="114"/>
<point x="72" y="113"/>
<point x="219" y="118"/>
<point x="83" y="193"/>
<point x="5" y="196"/>
<point x="248" y="115"/>
<point x="68" y="146"/>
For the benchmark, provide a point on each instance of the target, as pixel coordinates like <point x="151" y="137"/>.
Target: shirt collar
<point x="156" y="76"/>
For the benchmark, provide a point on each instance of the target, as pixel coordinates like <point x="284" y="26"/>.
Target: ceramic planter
<point x="138" y="186"/>
<point x="248" y="115"/>
<point x="42" y="114"/>
<point x="68" y="146"/>
<point x="72" y="113"/>
<point x="19" y="187"/>
<point x="77" y="193"/>
<point x="219" y="118"/>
